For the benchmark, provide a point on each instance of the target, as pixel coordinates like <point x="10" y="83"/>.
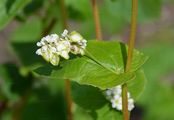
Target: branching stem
<point x="129" y="57"/>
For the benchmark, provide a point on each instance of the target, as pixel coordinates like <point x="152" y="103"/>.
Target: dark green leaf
<point x="13" y="81"/>
<point x="43" y="105"/>
<point x="93" y="101"/>
<point x="88" y="97"/>
<point x="33" y="6"/>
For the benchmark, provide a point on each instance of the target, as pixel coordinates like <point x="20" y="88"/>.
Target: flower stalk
<point x="129" y="56"/>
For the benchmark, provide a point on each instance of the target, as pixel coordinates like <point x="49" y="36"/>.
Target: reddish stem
<point x="96" y="20"/>
<point x="129" y="57"/>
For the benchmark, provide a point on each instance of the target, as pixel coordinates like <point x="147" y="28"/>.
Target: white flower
<point x="75" y="49"/>
<point x="64" y="54"/>
<point x="78" y="43"/>
<point x="115" y="97"/>
<point x="108" y="92"/>
<point x="117" y="90"/>
<point x="65" y="33"/>
<point x="52" y="47"/>
<point x="39" y="44"/>
<point x="75" y="37"/>
<point x="38" y="52"/>
<point x="54" y="59"/>
<point x="63" y="45"/>
<point x="130" y="104"/>
<point x="117" y="103"/>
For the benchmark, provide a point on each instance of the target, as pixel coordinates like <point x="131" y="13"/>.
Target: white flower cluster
<point x="53" y="46"/>
<point x="114" y="95"/>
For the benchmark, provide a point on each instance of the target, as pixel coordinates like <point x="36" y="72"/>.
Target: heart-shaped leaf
<point x="113" y="55"/>
<point x="85" y="71"/>
<point x="103" y="66"/>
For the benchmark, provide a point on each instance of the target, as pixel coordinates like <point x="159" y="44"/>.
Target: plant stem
<point x="132" y="34"/>
<point x="48" y="28"/>
<point x="67" y="83"/>
<point x="96" y="20"/>
<point x="129" y="57"/>
<point x="63" y="14"/>
<point x="19" y="106"/>
<point x="68" y="99"/>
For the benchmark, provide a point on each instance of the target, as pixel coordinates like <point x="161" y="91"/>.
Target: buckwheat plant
<point x="53" y="46"/>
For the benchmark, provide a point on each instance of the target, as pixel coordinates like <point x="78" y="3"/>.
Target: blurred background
<point x="23" y="22"/>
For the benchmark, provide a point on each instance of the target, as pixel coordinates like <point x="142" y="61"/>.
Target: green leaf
<point x="83" y="93"/>
<point x="93" y="101"/>
<point x="33" y="6"/>
<point x="113" y="55"/>
<point x="26" y="51"/>
<point x="42" y="105"/>
<point x="85" y="71"/>
<point x="8" y="9"/>
<point x="103" y="71"/>
<point x="80" y="114"/>
<point x="26" y="32"/>
<point x="14" y="82"/>
<point x="87" y="97"/>
<point x="107" y="113"/>
<point x="137" y="85"/>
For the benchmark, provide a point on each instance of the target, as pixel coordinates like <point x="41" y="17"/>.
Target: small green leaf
<point x="8" y="9"/>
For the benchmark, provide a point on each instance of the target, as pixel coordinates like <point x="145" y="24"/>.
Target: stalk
<point x="19" y="106"/>
<point x="63" y="13"/>
<point x="96" y="20"/>
<point x="67" y="82"/>
<point x="48" y="28"/>
<point x="129" y="57"/>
